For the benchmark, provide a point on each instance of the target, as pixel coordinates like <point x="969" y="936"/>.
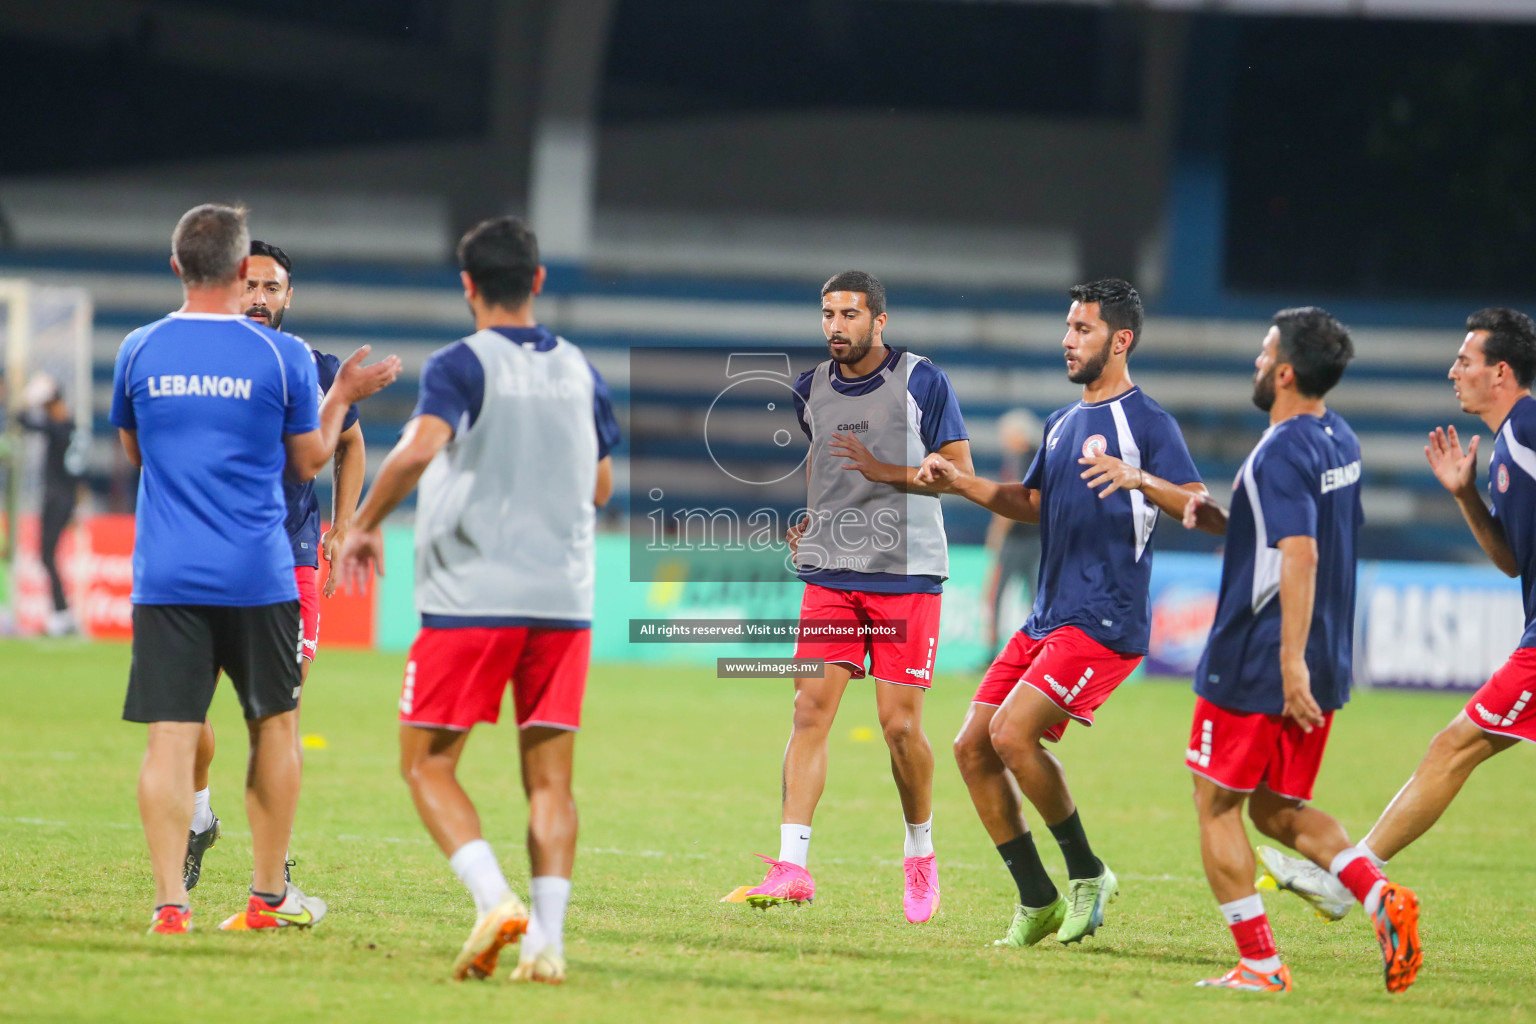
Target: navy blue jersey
<point x="453" y="386"/>
<point x="935" y="412"/>
<point x="1301" y="480"/>
<point x="1512" y="486"/>
<point x="1096" y="553"/>
<point x="211" y="397"/>
<point x="303" y="523"/>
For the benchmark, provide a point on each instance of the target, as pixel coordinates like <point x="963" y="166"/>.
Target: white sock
<point x="919" y="841"/>
<point x="550" y="895"/>
<point x="1268" y="965"/>
<point x="202" y="813"/>
<point x="1245" y="909"/>
<point x="1373" y="898"/>
<point x="475" y="864"/>
<point x="1370" y="853"/>
<point x="795" y="843"/>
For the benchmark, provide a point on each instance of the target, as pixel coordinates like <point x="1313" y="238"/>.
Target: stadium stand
<point x="1000" y="349"/>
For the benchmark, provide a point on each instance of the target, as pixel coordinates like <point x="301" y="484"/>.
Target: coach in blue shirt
<point x="214" y="408"/>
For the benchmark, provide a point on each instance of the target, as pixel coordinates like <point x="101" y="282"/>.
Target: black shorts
<point x="179" y="650"/>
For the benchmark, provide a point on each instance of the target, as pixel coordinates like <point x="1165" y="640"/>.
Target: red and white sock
<point x="1357" y="869"/>
<point x="1250" y="929"/>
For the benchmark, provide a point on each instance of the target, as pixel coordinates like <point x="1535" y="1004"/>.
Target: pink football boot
<point x="922" y="895"/>
<point x="786" y="883"/>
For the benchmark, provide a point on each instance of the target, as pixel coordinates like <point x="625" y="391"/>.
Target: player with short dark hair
<point x="213" y="408"/>
<point x="510" y="441"/>
<point x="1092" y="614"/>
<point x="268" y="296"/>
<point x="1278" y="662"/>
<point x="872" y="549"/>
<point x="1492" y="377"/>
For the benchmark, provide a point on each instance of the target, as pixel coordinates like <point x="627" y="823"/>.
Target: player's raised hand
<point x="358" y="381"/>
<point x="936" y="470"/>
<point x="362" y="555"/>
<point x="859" y="457"/>
<point x="1454" y="468"/>
<point x="1300" y="707"/>
<point x="1111" y="474"/>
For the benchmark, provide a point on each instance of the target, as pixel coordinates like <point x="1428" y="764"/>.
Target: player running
<point x="214" y="408"/>
<point x="1278" y="662"/>
<point x="510" y="441"/>
<point x="903" y="407"/>
<point x="1492" y="378"/>
<point x="1091" y="619"/>
<point x="268" y="295"/>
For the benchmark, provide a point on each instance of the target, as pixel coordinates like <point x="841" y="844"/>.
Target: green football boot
<point x="1031" y="924"/>
<point x="1086" y="899"/>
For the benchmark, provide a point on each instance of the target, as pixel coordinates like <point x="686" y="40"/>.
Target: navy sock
<point x="1081" y="863"/>
<point x="269" y="898"/>
<point x="1035" y="886"/>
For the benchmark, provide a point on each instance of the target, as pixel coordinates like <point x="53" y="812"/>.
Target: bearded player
<point x="1108" y="465"/>
<point x="268" y="296"/>
<point x="1278" y="662"/>
<point x="1492" y="378"/>
<point x="872" y="550"/>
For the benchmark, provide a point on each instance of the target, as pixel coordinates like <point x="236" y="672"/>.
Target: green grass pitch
<point x="677" y="778"/>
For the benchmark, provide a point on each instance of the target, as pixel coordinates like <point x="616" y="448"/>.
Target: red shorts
<point x="309" y="608"/>
<point x="1239" y="750"/>
<point x="906" y="659"/>
<point x="455" y="678"/>
<point x="1072" y="669"/>
<point x="1502" y="705"/>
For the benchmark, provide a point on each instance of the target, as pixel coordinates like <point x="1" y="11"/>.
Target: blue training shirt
<point x="211" y="397"/>
<point x="936" y="411"/>
<point x="303" y="523"/>
<point x="1512" y="487"/>
<point x="1301" y="480"/>
<point x="1096" y="553"/>
<point x="453" y="386"/>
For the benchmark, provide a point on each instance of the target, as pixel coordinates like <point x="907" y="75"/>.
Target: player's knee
<point x="812" y="715"/>
<point x="900" y="730"/>
<point x="973" y="753"/>
<point x="416" y="769"/>
<point x="1006" y="738"/>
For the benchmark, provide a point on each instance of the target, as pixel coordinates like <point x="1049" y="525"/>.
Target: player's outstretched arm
<point x="1015" y="501"/>
<point x="1456" y="469"/>
<point x="1107" y="474"/>
<point x="1203" y="512"/>
<point x="362" y="553"/>
<point x="862" y="460"/>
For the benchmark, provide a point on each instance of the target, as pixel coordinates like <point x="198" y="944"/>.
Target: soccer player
<point x="268" y="295"/>
<point x="213" y="408"/>
<point x="1278" y="662"/>
<point x="1092" y="614"/>
<point x="1492" y="378"/>
<point x="903" y="407"/>
<point x="510" y="441"/>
